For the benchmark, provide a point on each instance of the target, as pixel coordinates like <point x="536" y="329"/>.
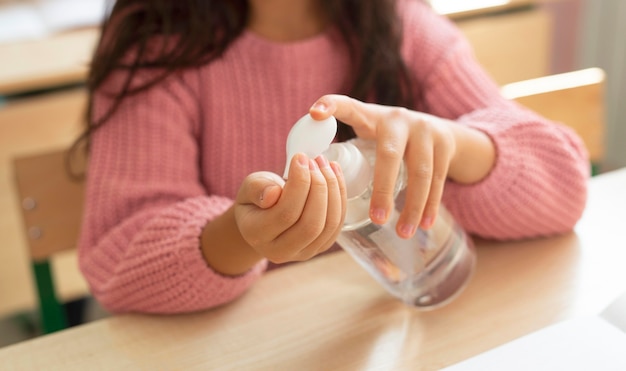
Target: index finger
<point x="391" y="142"/>
<point x="385" y="126"/>
<point x="359" y="115"/>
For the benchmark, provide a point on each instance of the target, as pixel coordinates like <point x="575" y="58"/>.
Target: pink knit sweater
<point x="171" y="159"/>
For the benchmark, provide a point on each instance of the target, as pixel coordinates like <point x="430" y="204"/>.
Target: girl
<point x="190" y="106"/>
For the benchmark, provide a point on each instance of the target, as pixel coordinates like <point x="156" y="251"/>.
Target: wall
<point x="602" y="43"/>
<point x="566" y="19"/>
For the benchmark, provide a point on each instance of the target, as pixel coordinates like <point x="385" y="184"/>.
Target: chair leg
<point x="595" y="169"/>
<point x="51" y="312"/>
<point x="75" y="311"/>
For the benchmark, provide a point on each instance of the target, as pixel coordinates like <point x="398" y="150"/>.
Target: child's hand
<point x="432" y="148"/>
<point x="296" y="221"/>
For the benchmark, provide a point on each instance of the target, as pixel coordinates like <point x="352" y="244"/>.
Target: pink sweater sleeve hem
<point x="161" y="269"/>
<point x="535" y="188"/>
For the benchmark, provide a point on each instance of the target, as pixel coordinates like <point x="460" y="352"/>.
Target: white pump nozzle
<point x="311" y="137"/>
<point x="356" y="169"/>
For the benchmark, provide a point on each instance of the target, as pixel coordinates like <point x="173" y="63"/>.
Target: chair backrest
<point x="575" y="99"/>
<point x="512" y="45"/>
<point x="29" y="125"/>
<point x="51" y="208"/>
<point x="52" y="201"/>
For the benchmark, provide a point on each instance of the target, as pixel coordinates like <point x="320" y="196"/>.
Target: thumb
<point x="262" y="189"/>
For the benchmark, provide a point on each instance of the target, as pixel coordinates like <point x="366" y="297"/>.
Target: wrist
<point x="474" y="157"/>
<point x="223" y="247"/>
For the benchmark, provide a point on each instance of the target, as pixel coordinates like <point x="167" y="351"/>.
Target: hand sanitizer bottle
<point x="425" y="271"/>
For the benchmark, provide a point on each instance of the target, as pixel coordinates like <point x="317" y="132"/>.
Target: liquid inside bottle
<point x="425" y="271"/>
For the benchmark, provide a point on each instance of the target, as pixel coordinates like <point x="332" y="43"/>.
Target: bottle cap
<point x="311" y="137"/>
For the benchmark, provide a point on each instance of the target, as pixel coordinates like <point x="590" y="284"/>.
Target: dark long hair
<point x="204" y="29"/>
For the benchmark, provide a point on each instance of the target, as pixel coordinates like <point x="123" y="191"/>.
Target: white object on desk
<point x="616" y="313"/>
<point x="35" y="19"/>
<point x="586" y="343"/>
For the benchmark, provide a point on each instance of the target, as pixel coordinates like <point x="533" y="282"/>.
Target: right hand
<point x="293" y="220"/>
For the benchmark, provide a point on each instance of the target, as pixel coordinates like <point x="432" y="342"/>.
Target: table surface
<point x="63" y="58"/>
<point x="58" y="60"/>
<point x="328" y="314"/>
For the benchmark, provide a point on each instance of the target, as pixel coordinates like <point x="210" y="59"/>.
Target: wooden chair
<point x="51" y="205"/>
<point x="31" y="125"/>
<point x="514" y="44"/>
<point x="575" y="99"/>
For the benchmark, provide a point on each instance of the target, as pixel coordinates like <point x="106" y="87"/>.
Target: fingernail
<point x="407" y="230"/>
<point x="320" y="106"/>
<point x="427" y="222"/>
<point x="379" y="215"/>
<point x="266" y="190"/>
<point x="302" y="160"/>
<point x="336" y="168"/>
<point x="322" y="161"/>
<point x="313" y="165"/>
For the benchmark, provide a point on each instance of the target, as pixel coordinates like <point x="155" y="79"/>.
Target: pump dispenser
<point x="310" y="137"/>
<point x="425" y="271"/>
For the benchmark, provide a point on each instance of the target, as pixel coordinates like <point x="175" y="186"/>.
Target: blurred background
<point x="45" y="47"/>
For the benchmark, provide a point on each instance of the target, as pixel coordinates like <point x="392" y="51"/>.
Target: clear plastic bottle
<point x="425" y="271"/>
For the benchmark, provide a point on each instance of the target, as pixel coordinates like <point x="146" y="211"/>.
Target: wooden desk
<point x="328" y="314"/>
<point x="63" y="59"/>
<point x="59" y="60"/>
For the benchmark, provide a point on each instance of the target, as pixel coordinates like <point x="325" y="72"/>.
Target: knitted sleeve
<point x="146" y="207"/>
<point x="538" y="184"/>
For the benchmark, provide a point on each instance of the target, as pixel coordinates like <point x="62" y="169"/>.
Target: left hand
<point x="430" y="146"/>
